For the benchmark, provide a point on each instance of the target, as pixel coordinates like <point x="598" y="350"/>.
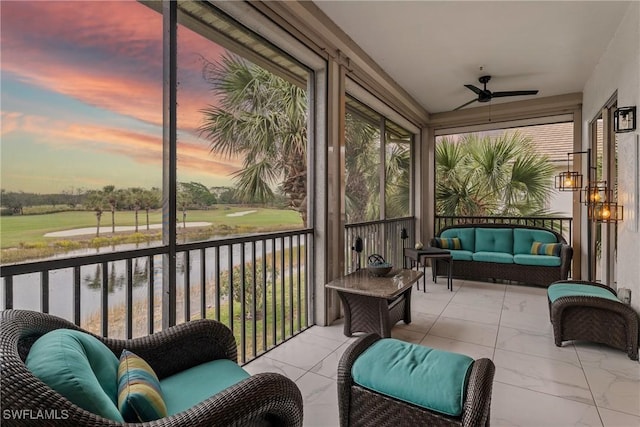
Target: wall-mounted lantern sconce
<point x="624" y="119"/>
<point x="596" y="192"/>
<point x="569" y="180"/>
<point x="606" y="212"/>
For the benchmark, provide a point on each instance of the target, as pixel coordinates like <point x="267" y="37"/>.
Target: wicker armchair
<point x="262" y="399"/>
<point x="359" y="406"/>
<point x="595" y="319"/>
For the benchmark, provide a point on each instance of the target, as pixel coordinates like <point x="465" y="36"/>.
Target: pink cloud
<point x="105" y="54"/>
<point x="141" y="147"/>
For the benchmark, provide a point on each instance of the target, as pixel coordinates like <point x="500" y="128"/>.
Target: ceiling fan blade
<point x="474" y="89"/>
<point x="464" y="105"/>
<point x="513" y="93"/>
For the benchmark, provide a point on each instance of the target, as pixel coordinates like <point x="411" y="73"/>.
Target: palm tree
<point x="398" y="180"/>
<point x="95" y="201"/>
<point x="136" y="196"/>
<point x="484" y="176"/>
<point x="362" y="174"/>
<point x="151" y="200"/>
<point x="262" y="118"/>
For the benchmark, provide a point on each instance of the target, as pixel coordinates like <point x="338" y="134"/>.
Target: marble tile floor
<point x="536" y="383"/>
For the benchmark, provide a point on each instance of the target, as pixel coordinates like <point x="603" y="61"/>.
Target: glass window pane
<point x="362" y="163"/>
<point x="81" y="128"/>
<point x="242" y="134"/>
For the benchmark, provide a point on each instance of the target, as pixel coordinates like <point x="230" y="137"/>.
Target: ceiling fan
<point x="485" y="95"/>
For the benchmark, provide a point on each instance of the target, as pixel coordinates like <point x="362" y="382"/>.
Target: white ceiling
<point x="433" y="48"/>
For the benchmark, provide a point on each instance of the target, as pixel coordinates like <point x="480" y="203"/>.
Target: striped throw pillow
<point x="449" y="243"/>
<point x="552" y="249"/>
<point x="139" y="393"/>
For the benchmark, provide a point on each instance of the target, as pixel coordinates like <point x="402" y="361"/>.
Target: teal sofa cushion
<point x="192" y="386"/>
<point x="499" y="257"/>
<point x="80" y="368"/>
<point x="559" y="290"/>
<point x="466" y="235"/>
<point x="543" y="260"/>
<point x="461" y="255"/>
<point x="523" y="238"/>
<point x="426" y="377"/>
<point x="494" y="240"/>
<point x="139" y="394"/>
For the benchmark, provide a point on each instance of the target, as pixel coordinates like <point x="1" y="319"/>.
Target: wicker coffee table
<point x="375" y="304"/>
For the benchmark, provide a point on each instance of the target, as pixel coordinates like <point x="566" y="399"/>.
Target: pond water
<point x="27" y="292"/>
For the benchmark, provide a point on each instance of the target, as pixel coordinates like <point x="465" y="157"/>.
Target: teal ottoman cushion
<point x="494" y="240"/>
<point x="79" y="367"/>
<point x="543" y="260"/>
<point x="523" y="238"/>
<point x="426" y="377"/>
<point x="188" y="388"/>
<point x="559" y="290"/>
<point x="466" y="236"/>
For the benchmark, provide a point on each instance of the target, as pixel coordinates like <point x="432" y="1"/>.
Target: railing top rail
<point x="79" y="261"/>
<point x="241" y="239"/>
<point x="380" y="221"/>
<point x="522" y="218"/>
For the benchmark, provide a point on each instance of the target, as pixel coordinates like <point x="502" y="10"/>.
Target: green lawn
<point x="18" y="229"/>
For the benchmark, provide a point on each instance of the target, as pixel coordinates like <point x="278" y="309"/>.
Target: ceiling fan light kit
<point x="485" y="95"/>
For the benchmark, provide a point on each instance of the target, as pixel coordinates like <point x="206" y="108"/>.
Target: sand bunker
<point x="107" y="229"/>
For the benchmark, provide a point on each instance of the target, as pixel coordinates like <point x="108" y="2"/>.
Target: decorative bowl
<point x="379" y="270"/>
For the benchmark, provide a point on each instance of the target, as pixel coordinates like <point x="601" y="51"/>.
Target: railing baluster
<point x="274" y="309"/>
<point x="8" y="292"/>
<point x="255" y="299"/>
<point x="230" y="281"/>
<point x="203" y="283"/>
<point x="282" y="290"/>
<point x="129" y="300"/>
<point x="44" y="291"/>
<point x="299" y="264"/>
<point x="150" y="296"/>
<point x="105" y="298"/>
<point x="243" y="307"/>
<point x="217" y="284"/>
<point x="264" y="295"/>
<point x="186" y="299"/>
<point x="76" y="295"/>
<point x="291" y="285"/>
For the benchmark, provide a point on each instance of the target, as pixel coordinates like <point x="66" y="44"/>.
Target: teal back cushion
<point x="494" y="240"/>
<point x="523" y="239"/>
<point x="466" y="235"/>
<point x="79" y="367"/>
<point x="426" y="377"/>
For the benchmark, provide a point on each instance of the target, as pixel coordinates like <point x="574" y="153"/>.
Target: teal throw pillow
<point x="449" y="243"/>
<point x="139" y="394"/>
<point x="551" y="249"/>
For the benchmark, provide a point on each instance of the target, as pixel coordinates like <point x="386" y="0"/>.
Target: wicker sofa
<point x="503" y="251"/>
<point x="267" y="399"/>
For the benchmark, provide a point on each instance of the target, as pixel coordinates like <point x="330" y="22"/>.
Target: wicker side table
<point x="375" y="304"/>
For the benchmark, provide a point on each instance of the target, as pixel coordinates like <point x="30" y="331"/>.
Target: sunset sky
<point x="81" y="103"/>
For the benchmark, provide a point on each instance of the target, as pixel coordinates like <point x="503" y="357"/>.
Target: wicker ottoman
<point x="366" y="406"/>
<point x="591" y="311"/>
